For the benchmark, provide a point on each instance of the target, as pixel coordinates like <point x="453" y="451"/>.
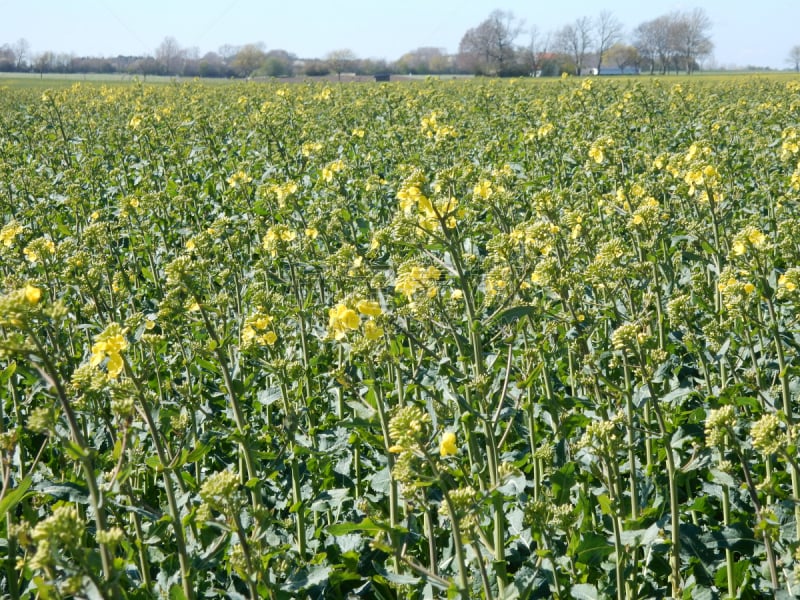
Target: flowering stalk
<point x="165" y="468"/>
<point x="50" y="373"/>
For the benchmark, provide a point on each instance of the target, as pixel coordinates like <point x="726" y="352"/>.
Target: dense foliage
<point x="489" y="339"/>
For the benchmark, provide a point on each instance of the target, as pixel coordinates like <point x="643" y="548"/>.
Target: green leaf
<point x="6" y="373"/>
<point x="606" y="505"/>
<point x="199" y="452"/>
<point x="739" y="573"/>
<point x="515" y="313"/>
<point x="365" y="525"/>
<point x="306" y="579"/>
<point x="592" y="549"/>
<point x="15" y="496"/>
<point x="64" y="491"/>
<point x="176" y="593"/>
<point x="583" y="591"/>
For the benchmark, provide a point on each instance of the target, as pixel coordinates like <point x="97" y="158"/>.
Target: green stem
<point x="726" y="518"/>
<point x="52" y="376"/>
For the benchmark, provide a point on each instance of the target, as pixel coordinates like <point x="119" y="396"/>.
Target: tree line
<point x="677" y="41"/>
<point x="500" y="45"/>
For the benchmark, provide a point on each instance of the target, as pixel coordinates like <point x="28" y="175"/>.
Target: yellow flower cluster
<point x="281" y="191"/>
<point x="239" y="179"/>
<point x="447" y="446"/>
<point x="9" y="231"/>
<point x="413" y="278"/>
<point x="789" y="281"/>
<point x="275" y="236"/>
<point x="537" y="235"/>
<point x="748" y="238"/>
<point x="699" y="177"/>
<point x="342" y="319"/>
<point x="256" y="330"/>
<point x="310" y="148"/>
<point x="431" y="213"/>
<point x="432" y="128"/>
<point x="332" y="169"/>
<point x="790" y="144"/>
<point x="110" y="344"/>
<point x="483" y="189"/>
<point x="597" y="151"/>
<point x="39" y="249"/>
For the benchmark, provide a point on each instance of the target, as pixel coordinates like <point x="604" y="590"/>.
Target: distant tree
<point x="278" y="63"/>
<point x="7" y="59"/>
<point x="654" y="41"/>
<point x="533" y="55"/>
<point x="144" y="66"/>
<point x="488" y="49"/>
<point x="44" y="63"/>
<point x="227" y="52"/>
<point x="340" y="61"/>
<point x="690" y="37"/>
<point x="608" y="31"/>
<point x="170" y="56"/>
<point x="370" y="66"/>
<point x="316" y="68"/>
<point x="249" y="59"/>
<point x="575" y="40"/>
<point x="211" y="65"/>
<point x="21" y="48"/>
<point x="423" y="61"/>
<point x="622" y="56"/>
<point x="793" y="58"/>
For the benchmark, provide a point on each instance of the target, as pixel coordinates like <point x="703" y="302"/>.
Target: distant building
<point x="613" y="71"/>
<point x="383" y="76"/>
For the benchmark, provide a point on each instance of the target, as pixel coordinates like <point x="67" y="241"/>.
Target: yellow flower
<point x="109" y="344"/>
<point x="447" y="447"/>
<point x="269" y="338"/>
<point x="311" y="232"/>
<point x="372" y="331"/>
<point x="248" y="334"/>
<point x="341" y="319"/>
<point x="739" y="248"/>
<point x="262" y="322"/>
<point x="9" y="232"/>
<point x="369" y="308"/>
<point x="239" y="178"/>
<point x="757" y="238"/>
<point x="596" y="154"/>
<point x="32" y="294"/>
<point x="749" y="288"/>
<point x="483" y="189"/>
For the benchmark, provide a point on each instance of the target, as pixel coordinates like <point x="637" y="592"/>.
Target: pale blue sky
<point x="745" y="32"/>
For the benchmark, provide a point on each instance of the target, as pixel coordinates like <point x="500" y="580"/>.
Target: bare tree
<point x="575" y="39"/>
<point x="7" y="58"/>
<point x="534" y="52"/>
<point x="488" y="49"/>
<point x="608" y="31"/>
<point x="691" y="38"/>
<point x="21" y="49"/>
<point x="170" y="56"/>
<point x="45" y="63"/>
<point x="227" y="52"/>
<point x="341" y="60"/>
<point x="654" y="41"/>
<point x="793" y="58"/>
